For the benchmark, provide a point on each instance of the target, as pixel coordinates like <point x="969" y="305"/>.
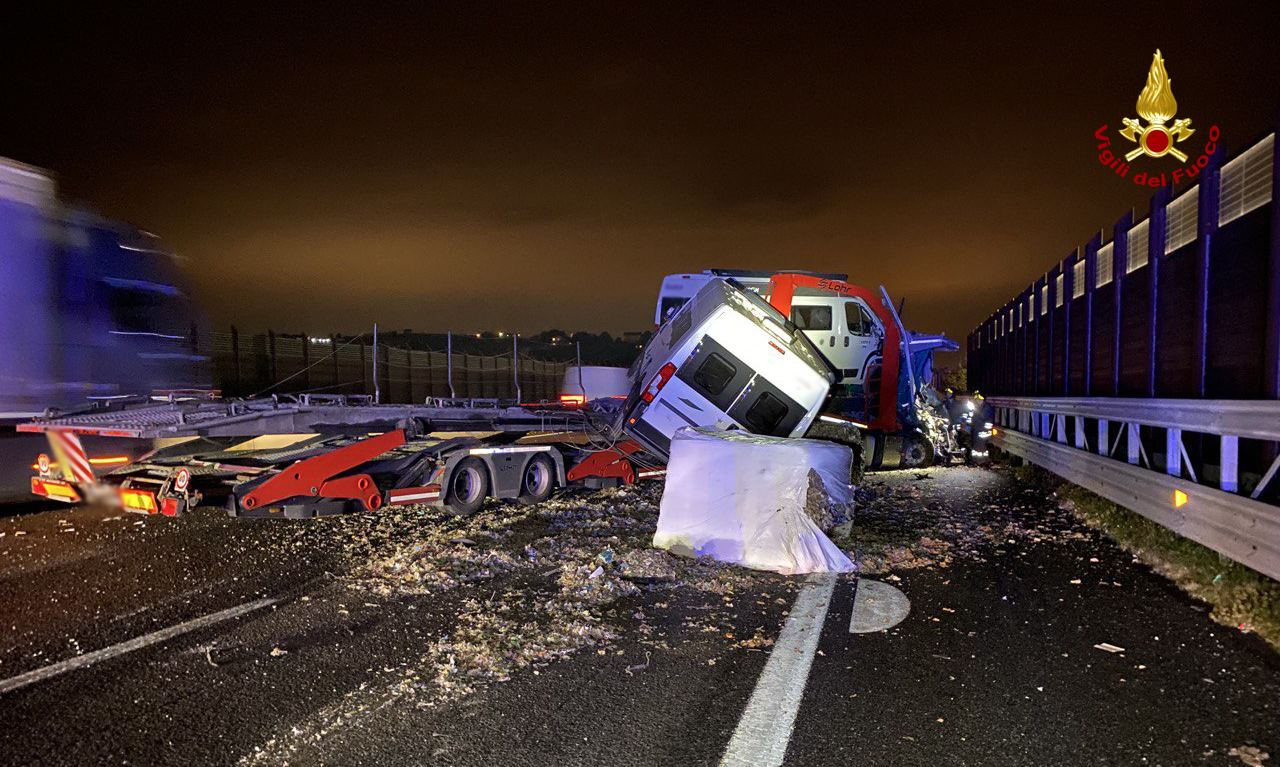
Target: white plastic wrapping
<point x="741" y="498"/>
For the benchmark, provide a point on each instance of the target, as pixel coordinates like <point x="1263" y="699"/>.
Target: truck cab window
<point x="857" y="319"/>
<point x="811" y="317"/>
<point x="713" y="374"/>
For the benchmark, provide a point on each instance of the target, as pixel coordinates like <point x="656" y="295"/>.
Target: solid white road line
<point x="764" y="730"/>
<point x="137" y="643"/>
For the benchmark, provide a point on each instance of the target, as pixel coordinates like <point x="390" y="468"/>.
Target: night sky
<point x="524" y="166"/>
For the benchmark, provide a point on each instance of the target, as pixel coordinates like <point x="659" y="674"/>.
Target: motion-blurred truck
<point x="92" y="309"/>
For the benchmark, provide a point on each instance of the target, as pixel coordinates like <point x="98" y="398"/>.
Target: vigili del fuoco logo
<point x="1158" y="138"/>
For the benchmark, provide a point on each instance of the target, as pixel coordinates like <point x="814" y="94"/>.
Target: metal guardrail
<point x="1253" y="419"/>
<point x="1051" y="433"/>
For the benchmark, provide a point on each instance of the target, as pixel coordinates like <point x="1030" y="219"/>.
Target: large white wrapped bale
<point x="742" y="498"/>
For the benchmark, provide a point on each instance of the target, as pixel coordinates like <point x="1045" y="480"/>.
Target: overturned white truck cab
<point x="726" y="360"/>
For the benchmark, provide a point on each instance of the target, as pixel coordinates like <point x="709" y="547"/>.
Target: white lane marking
<point x="137" y="643"/>
<point x="763" y="732"/>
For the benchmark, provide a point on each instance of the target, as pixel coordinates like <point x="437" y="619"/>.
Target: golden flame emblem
<point x="1157" y="106"/>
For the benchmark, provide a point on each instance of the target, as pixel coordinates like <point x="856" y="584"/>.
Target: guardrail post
<point x="1173" y="451"/>
<point x="1062" y="427"/>
<point x="1229" y="479"/>
<point x="1104" y="439"/>
<point x="1134" y="437"/>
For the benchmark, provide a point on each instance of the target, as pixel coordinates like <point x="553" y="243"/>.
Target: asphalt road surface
<point x="210" y="640"/>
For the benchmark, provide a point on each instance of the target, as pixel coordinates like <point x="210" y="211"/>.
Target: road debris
<point x="1250" y="755"/>
<point x="632" y="670"/>
<point x="1108" y="647"/>
<point x="536" y="585"/>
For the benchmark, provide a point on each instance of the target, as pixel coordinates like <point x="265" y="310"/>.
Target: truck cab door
<point x="821" y="320"/>
<point x="865" y="337"/>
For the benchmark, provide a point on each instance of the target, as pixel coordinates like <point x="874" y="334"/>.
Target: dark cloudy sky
<point x="522" y="166"/>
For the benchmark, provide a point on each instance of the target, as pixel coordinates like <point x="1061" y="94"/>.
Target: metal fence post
<point x="364" y="372"/>
<point x="306" y="361"/>
<point x="449" y="362"/>
<point x="1068" y="293"/>
<point x="377" y="388"/>
<point x="1090" y="283"/>
<point x="1206" y="228"/>
<point x="581" y="385"/>
<point x="337" y="371"/>
<point x="408" y="371"/>
<point x="235" y="359"/>
<point x="1272" y="372"/>
<point x="271" y="355"/>
<point x="1155" y="255"/>
<point x="1120" y="267"/>
<point x="515" y="364"/>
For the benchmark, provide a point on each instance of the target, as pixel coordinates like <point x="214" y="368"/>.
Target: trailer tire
<point x="468" y="487"/>
<point x="917" y="451"/>
<point x="539" y="480"/>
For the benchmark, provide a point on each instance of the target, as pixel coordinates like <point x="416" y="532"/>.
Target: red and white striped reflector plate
<point x="414" y="494"/>
<point x="72" y="459"/>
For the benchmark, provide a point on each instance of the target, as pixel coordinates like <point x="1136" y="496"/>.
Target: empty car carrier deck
<point x="317" y="455"/>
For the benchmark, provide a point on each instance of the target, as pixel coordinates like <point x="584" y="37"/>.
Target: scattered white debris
<point x="1108" y="647"/>
<point x="1250" y="755"/>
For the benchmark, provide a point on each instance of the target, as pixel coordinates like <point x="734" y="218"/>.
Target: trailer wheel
<point x="539" y="480"/>
<point x="917" y="451"/>
<point x="468" y="487"/>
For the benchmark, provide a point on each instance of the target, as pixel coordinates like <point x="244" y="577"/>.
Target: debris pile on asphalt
<point x="542" y="582"/>
<point x="910" y="526"/>
<point x="825" y="509"/>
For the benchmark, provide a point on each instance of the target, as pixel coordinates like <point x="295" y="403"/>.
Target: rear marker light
<point x="659" y="381"/>
<point x="138" y="500"/>
<point x="54" y="489"/>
